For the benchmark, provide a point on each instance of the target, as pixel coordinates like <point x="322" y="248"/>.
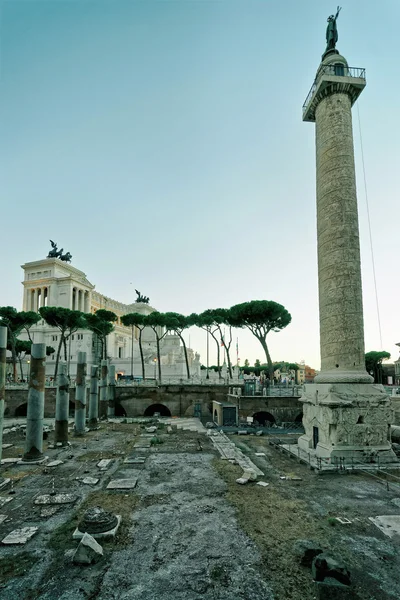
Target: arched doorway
<point x="119" y="410"/>
<point x="264" y="418"/>
<point x="21" y="410"/>
<point x="157" y="408"/>
<point x="71" y="408"/>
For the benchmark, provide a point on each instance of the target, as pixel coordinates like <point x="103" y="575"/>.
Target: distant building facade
<point x="52" y="282"/>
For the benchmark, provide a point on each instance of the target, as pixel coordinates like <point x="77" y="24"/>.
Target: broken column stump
<point x="62" y="406"/>
<point x="35" y="412"/>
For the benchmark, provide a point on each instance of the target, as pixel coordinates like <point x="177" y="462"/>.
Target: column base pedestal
<point x="349" y="421"/>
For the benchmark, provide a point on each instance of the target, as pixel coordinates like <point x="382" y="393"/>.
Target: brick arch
<point x="160" y="408"/>
<point x="263" y="417"/>
<point x="21" y="410"/>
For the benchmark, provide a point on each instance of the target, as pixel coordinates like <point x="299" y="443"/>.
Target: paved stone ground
<point x="182" y="542"/>
<point x="188" y="529"/>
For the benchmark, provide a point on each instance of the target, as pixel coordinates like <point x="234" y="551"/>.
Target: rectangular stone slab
<point x="135" y="460"/>
<point x="19" y="536"/>
<point x="57" y="499"/>
<point x="5" y="446"/>
<point x="122" y="484"/>
<point x="262" y="483"/>
<point x="90" y="480"/>
<point x="9" y="461"/>
<point x="104" y="463"/>
<point x="55" y="463"/>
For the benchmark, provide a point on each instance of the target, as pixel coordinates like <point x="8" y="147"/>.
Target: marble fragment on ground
<point x="56" y="499"/>
<point x="389" y="524"/>
<point x="122" y="484"/>
<point x="19" y="536"/>
<point x="88" y="551"/>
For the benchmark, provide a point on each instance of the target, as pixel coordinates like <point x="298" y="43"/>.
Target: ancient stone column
<point x="345" y="417"/>
<point x="111" y="391"/>
<point x="80" y="395"/>
<point x="94" y="397"/>
<point x="34" y="420"/>
<point x="103" y="388"/>
<point x="3" y="351"/>
<point x="62" y="406"/>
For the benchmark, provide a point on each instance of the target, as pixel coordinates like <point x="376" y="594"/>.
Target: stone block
<point x="325" y="566"/>
<point x="56" y="499"/>
<point x="19" y="536"/>
<point x="104" y="463"/>
<point x="90" y="480"/>
<point x="122" y="484"/>
<point x="262" y="483"/>
<point x="242" y="480"/>
<point x="88" y="551"/>
<point x="250" y="474"/>
<point x="306" y="551"/>
<point x="55" y="463"/>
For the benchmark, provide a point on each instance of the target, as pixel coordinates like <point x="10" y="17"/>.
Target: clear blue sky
<point x="161" y="143"/>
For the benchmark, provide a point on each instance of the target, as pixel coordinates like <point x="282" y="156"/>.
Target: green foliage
<point x="16" y="322"/>
<point x="246" y="363"/>
<point x="106" y="315"/>
<point x="50" y="350"/>
<point x="101" y="327"/>
<point x="260" y="317"/>
<point x="66" y="321"/>
<point x="133" y="320"/>
<point x="257" y="364"/>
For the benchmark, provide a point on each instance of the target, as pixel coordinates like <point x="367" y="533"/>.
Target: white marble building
<point x="52" y="282"/>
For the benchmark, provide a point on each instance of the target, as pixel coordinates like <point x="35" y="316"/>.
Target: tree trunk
<point x="20" y="365"/>
<point x="141" y="354"/>
<point x="186" y="356"/>
<point x="65" y="349"/>
<point x="158" y="357"/>
<point x="105" y="347"/>
<point x="227" y="347"/>
<point x="218" y="354"/>
<point x="268" y="357"/>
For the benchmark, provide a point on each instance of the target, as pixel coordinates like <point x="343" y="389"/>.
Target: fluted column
<point x="35" y="300"/>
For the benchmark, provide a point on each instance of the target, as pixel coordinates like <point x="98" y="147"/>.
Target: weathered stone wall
<point x="180" y="401"/>
<point x="339" y="267"/>
<point x="280" y="407"/>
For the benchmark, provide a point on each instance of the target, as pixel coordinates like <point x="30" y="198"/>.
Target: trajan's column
<point x="345" y="415"/>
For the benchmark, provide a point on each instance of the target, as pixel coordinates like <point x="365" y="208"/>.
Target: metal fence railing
<point x="338" y="70"/>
